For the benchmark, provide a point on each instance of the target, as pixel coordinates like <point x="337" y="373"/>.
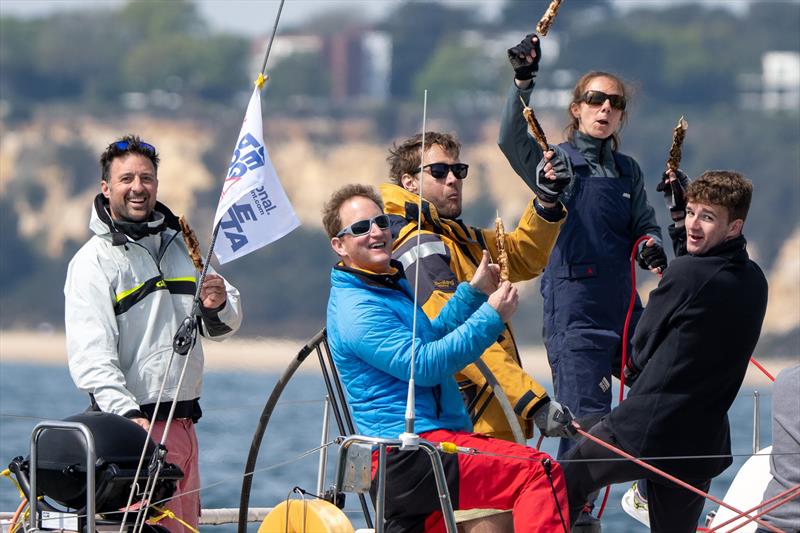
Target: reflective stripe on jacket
<point x="123" y="305"/>
<point x="450" y="252"/>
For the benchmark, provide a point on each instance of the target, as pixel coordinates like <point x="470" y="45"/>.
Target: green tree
<point x="417" y="29"/>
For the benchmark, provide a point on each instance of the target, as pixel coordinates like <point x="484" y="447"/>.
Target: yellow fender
<point x="306" y="516"/>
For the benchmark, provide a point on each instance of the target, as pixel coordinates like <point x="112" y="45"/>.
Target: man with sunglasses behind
<point x="450" y="251"/>
<point x="127" y="292"/>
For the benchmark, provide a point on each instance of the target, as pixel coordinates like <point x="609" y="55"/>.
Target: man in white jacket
<point x="128" y="290"/>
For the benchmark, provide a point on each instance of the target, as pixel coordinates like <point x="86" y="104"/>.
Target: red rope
<point x="667" y="476"/>
<point x="625" y="330"/>
<point x="628" y="316"/>
<point x="784" y="497"/>
<point x="760" y="367"/>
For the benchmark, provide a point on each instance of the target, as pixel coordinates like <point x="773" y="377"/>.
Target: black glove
<point x="518" y="57"/>
<point x="674" y="194"/>
<point x="652" y="257"/>
<point x="548" y="190"/>
<point x="631" y="374"/>
<point x="554" y="420"/>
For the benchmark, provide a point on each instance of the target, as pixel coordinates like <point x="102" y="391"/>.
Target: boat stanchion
<point x="323" y="450"/>
<point x="756" y="421"/>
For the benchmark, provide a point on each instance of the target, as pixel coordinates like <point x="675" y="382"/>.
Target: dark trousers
<point x="589" y="467"/>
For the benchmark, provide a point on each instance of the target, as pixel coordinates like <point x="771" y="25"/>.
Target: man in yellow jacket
<point x="449" y="252"/>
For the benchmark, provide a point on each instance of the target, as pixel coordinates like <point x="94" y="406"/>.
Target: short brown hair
<point x="726" y="188"/>
<point x="130" y="144"/>
<point x="331" y="220"/>
<point x="405" y="158"/>
<point x="577" y="95"/>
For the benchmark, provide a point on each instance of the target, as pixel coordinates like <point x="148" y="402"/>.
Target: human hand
<point x="212" y="292"/>
<point x="524" y="57"/>
<point x="673" y="185"/>
<point x="552" y="177"/>
<point x="652" y="257"/>
<point x="487" y="276"/>
<point x="142" y="422"/>
<point x="504" y="300"/>
<point x="554" y="420"/>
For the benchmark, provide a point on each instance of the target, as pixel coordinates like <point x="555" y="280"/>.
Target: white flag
<point x="253" y="209"/>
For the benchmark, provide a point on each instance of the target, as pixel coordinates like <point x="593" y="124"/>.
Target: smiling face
<point x="707" y="226"/>
<point x="371" y="251"/>
<point x="599" y="121"/>
<point x="131" y="188"/>
<point x="444" y="193"/>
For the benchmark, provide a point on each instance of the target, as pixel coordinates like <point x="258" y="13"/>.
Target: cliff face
<point x="49" y="175"/>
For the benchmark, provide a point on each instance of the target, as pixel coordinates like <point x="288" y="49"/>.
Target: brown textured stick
<point x="547" y="19"/>
<point x="192" y="244"/>
<point x="534" y="127"/>
<point x="502" y="256"/>
<point x="678" y="135"/>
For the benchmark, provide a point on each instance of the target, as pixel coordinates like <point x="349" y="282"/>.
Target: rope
<point x="760" y="367"/>
<point x="675" y="480"/>
<point x="784" y="497"/>
<point x="167" y="513"/>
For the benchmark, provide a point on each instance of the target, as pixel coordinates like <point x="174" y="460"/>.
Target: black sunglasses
<point x="123" y="146"/>
<point x="362" y="227"/>
<point x="617" y="101"/>
<point x="441" y="170"/>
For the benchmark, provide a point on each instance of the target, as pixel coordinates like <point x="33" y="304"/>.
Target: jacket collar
<point x="101" y="222"/>
<point x="389" y="279"/>
<point x="397" y="201"/>
<point x="593" y="148"/>
<point x="734" y="249"/>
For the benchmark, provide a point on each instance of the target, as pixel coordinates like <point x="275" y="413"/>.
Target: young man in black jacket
<point x="690" y="354"/>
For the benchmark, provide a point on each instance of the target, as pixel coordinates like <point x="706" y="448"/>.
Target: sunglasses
<point x="124" y="145"/>
<point x="362" y="227"/>
<point x="617" y="101"/>
<point x="441" y="170"/>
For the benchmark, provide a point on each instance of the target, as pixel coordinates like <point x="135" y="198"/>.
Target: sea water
<point x="232" y="404"/>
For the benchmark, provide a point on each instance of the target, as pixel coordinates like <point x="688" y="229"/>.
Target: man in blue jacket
<point x="370" y="322"/>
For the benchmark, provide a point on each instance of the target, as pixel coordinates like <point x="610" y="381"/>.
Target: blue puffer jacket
<point x="369" y="333"/>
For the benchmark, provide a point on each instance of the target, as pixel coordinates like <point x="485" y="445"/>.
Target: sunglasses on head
<point x="617" y="101"/>
<point x="362" y="227"/>
<point x="123" y="146"/>
<point x="441" y="170"/>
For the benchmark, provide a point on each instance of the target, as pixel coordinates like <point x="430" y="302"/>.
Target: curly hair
<point x="405" y="157"/>
<point x="331" y="220"/>
<point x="725" y="188"/>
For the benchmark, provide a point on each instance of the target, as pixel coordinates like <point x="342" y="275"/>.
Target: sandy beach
<point x="263" y="354"/>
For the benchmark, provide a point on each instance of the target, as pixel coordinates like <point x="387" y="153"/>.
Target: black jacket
<point x="692" y="347"/>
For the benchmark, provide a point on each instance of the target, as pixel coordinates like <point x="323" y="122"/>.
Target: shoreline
<point x="272" y="355"/>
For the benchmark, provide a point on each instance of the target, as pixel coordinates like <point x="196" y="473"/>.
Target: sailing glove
<point x="675" y="195"/>
<point x="652" y="257"/>
<point x="548" y="190"/>
<point x="518" y="57"/>
<point x="554" y="420"/>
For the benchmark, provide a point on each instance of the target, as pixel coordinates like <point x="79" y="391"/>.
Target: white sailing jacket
<point x="124" y="301"/>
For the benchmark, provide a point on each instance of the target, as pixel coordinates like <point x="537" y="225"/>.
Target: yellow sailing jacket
<point x="450" y="253"/>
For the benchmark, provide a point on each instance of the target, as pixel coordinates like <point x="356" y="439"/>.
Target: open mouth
<point x="377" y="246"/>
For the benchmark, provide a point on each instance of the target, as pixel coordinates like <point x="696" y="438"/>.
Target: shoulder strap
<point x="579" y="164"/>
<point x="624" y="164"/>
